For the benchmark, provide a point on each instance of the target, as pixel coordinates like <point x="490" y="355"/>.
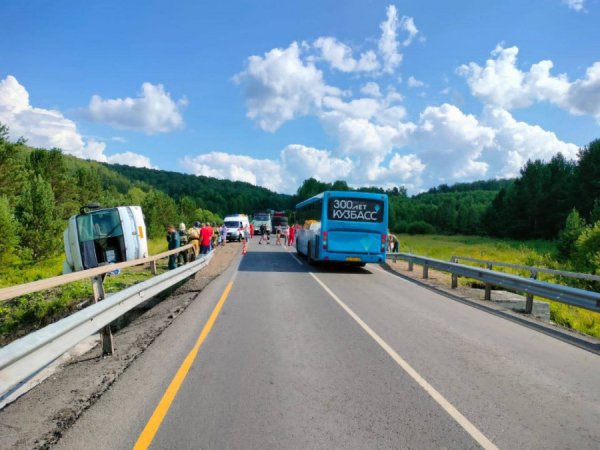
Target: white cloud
<point x="280" y="86"/>
<point x="388" y="42"/>
<point x="451" y="143"/>
<point x="456" y="146"/>
<point x="371" y="89"/>
<point x="340" y="56"/>
<point x="408" y="24"/>
<point x="584" y="94"/>
<point x="297" y="163"/>
<point x="577" y="5"/>
<point x="301" y="162"/>
<point x="516" y="142"/>
<point x="45" y="128"/>
<point x="154" y="111"/>
<point x="131" y="159"/>
<point x="502" y="84"/>
<point x="261" y="172"/>
<point x="414" y="83"/>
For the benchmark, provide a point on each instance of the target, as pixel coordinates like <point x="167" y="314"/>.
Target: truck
<point x="280" y="220"/>
<point x="99" y="236"/>
<point x="259" y="219"/>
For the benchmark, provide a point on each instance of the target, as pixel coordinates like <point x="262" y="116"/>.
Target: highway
<point x="278" y="354"/>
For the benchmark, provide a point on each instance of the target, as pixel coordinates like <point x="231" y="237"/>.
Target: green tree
<point x="89" y="186"/>
<point x="51" y="165"/>
<point x="588" y="178"/>
<point x="311" y="187"/>
<point x="36" y="213"/>
<point x="340" y="185"/>
<point x="136" y="196"/>
<point x="9" y="227"/>
<point x="187" y="208"/>
<point x="160" y="210"/>
<point x="4" y="132"/>
<point x="13" y="172"/>
<point x="574" y="226"/>
<point x="587" y="250"/>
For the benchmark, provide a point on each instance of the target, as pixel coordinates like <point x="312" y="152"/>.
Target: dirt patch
<point x="38" y="419"/>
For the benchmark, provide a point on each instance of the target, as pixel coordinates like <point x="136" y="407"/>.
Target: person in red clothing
<point x="205" y="236"/>
<point x="251" y="231"/>
<point x="291" y="234"/>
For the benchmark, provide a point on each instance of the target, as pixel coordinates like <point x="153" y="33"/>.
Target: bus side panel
<point x="354" y="242"/>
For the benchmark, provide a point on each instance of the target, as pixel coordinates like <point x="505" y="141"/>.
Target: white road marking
<point x="433" y="393"/>
<point x="296" y="258"/>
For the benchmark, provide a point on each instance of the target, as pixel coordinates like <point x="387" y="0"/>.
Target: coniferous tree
<point x="574" y="226"/>
<point x="39" y="225"/>
<point x="9" y="227"/>
<point x="588" y="178"/>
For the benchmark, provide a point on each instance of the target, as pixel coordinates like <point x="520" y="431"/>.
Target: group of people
<point x="202" y="236"/>
<point x="279" y="234"/>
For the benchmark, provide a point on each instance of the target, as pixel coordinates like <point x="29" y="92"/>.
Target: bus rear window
<point x="355" y="210"/>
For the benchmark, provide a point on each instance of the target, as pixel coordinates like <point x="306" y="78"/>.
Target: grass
<point x="530" y="253"/>
<point x="30" y="312"/>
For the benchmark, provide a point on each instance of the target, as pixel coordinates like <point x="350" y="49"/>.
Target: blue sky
<point x="412" y="93"/>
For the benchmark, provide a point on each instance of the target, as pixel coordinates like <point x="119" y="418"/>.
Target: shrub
<point x="574" y="226"/>
<point x="420" y="227"/>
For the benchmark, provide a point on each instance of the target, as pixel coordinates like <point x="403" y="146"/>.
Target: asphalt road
<point x="300" y="357"/>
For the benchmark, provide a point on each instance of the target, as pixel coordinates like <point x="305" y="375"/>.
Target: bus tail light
<point x="324" y="240"/>
<point x="383" y="242"/>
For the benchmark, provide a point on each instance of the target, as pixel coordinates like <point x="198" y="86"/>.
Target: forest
<point x="39" y="189"/>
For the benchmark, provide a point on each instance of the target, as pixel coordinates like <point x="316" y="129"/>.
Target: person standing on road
<point x="278" y="235"/>
<point x="215" y="236"/>
<point x="264" y="234"/>
<point x="194" y="239"/>
<point x="251" y="231"/>
<point x="205" y="236"/>
<point x="223" y="234"/>
<point x="291" y="234"/>
<point x="173" y="243"/>
<point x="182" y="258"/>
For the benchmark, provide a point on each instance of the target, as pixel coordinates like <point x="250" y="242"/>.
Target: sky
<point x="377" y="93"/>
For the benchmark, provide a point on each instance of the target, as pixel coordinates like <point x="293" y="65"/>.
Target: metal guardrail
<point x="24" y="357"/>
<point x="564" y="294"/>
<point x="531" y="269"/>
<point x="41" y="285"/>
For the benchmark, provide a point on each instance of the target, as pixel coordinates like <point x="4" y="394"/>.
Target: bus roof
<point x="354" y="194"/>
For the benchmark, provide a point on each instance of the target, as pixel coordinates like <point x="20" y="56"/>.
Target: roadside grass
<point x="33" y="311"/>
<point x="529" y="253"/>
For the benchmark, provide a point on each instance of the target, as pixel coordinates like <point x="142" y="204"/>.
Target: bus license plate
<point x="352" y="258"/>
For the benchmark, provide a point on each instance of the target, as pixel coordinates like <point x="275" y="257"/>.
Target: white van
<point x="238" y="227"/>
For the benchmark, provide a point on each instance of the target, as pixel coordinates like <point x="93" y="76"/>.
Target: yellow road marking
<point x="161" y="410"/>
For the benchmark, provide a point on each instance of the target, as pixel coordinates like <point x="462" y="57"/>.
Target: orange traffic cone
<point x="244" y="248"/>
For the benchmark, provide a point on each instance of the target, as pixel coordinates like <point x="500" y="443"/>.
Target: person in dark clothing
<point x="182" y="258"/>
<point x="173" y="240"/>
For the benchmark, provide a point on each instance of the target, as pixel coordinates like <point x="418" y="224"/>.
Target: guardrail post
<point x="153" y="267"/>
<point x="99" y="294"/>
<point x="529" y="297"/>
<point x="488" y="286"/>
<point x="410" y="265"/>
<point x="454" y="276"/>
<point x="425" y="271"/>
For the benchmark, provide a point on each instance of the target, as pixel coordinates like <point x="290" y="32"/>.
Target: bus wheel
<point x="309" y="257"/>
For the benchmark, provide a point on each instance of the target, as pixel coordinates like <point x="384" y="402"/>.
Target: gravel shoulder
<point x="38" y="419"/>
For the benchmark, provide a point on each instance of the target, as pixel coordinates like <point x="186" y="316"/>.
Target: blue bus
<point x="348" y="227"/>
